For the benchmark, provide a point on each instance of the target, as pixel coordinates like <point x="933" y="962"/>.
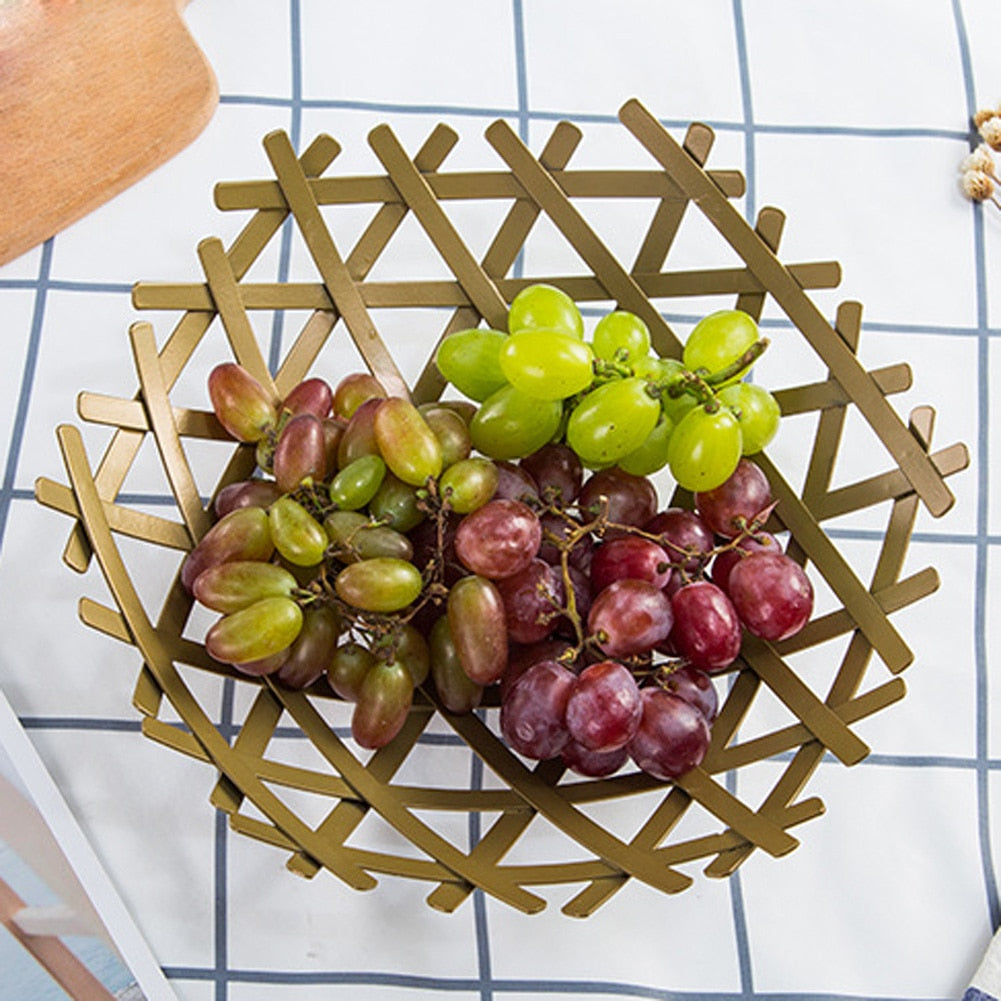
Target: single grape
<point x="511" y="424"/>
<point x="719" y="340"/>
<point x="384" y="700"/>
<point x="629" y="617"/>
<point x="631" y="500"/>
<point x="456" y="690"/>
<point x="333" y="434"/>
<point x="298" y="536"/>
<point x="349" y="664"/>
<point x="353" y="537"/>
<point x="410" y="448"/>
<point x="694" y="686"/>
<point x="726" y="559"/>
<point x="514" y="482"/>
<point x="706" y="629"/>
<point x="257" y="632"/>
<point x="243" y="534"/>
<point x="355" y="485"/>
<point x="479" y="630"/>
<point x="731" y="507"/>
<point x="379" y="584"/>
<point x="651" y="455"/>
<point x="757" y="412"/>
<point x="470" y="360"/>
<point x="354" y="390"/>
<point x="452" y="432"/>
<point x="228" y="587"/>
<point x="411" y="650"/>
<point x="629" y="557"/>
<point x="312" y="650"/>
<point x="469" y="483"/>
<point x="672" y="738"/>
<point x="300" y="455"/>
<point x="557" y="472"/>
<point x="358" y="438"/>
<point x="544" y="307"/>
<point x="241" y="404"/>
<point x="611" y="421"/>
<point x="547" y="364"/>
<point x="604" y="708"/>
<point x="498" y="539"/>
<point x="621" y="335"/>
<point x="311" y="396"/>
<point x="772" y="595"/>
<point x="533" y="715"/>
<point x="532" y="598"/>
<point x="522" y="657"/>
<point x="245" y="493"/>
<point x="684" y="536"/>
<point x="397" y="503"/>
<point x="704" y="448"/>
<point x="556" y="531"/>
<point x="593" y="764"/>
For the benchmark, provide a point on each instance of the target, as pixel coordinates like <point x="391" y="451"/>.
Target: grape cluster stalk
<point x="508" y="547"/>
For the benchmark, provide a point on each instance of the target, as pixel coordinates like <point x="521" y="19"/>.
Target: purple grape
<point x="772" y="595"/>
<point x="685" y="538"/>
<point x="557" y="472"/>
<point x="630" y="617"/>
<point x="632" y="500"/>
<point x="727" y="559"/>
<point x="706" y="628"/>
<point x="731" y="507"/>
<point x="593" y="764"/>
<point x="531" y="599"/>
<point x="694" y="686"/>
<point x="498" y="539"/>
<point x="533" y="716"/>
<point x="515" y="483"/>
<point x="629" y="557"/>
<point x="605" y="706"/>
<point x="672" y="738"/>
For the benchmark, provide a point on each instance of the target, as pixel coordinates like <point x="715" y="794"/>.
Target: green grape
<point x="355" y="485"/>
<point x="398" y="504"/>
<point x="257" y="632"/>
<point x="228" y="587"/>
<point x="410" y="448"/>
<point x="478" y="625"/>
<point x="719" y="340"/>
<point x="469" y="483"/>
<point x="298" y="536"/>
<point x="241" y="404"/>
<point x="355" y="537"/>
<point x="511" y="425"/>
<point x="243" y="534"/>
<point x="704" y="448"/>
<point x="469" y="359"/>
<point x="353" y="390"/>
<point x="547" y="364"/>
<point x="380" y="584"/>
<point x="757" y="411"/>
<point x="621" y="331"/>
<point x="612" y="421"/>
<point x="384" y="700"/>
<point x="652" y="454"/>
<point x="544" y="307"/>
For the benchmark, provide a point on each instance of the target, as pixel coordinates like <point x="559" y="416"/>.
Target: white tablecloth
<point x="852" y="117"/>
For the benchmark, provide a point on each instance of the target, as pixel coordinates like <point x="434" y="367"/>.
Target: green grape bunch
<point x="612" y="399"/>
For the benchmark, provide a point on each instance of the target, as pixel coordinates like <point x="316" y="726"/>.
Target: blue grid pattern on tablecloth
<point x="231" y="981"/>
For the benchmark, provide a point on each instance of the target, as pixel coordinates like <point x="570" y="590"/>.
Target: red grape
<point x="241" y="404"/>
<point x="300" y="453"/>
<point x="630" y="617"/>
<point x="685" y="537"/>
<point x="243" y="534"/>
<point x="246" y="493"/>
<point x="632" y="500"/>
<point x="629" y="557"/>
<point x="522" y="657"/>
<point x="604" y="708"/>
<point x="772" y="595"/>
<point x="533" y="716"/>
<point x="593" y="764"/>
<point x="515" y="483"/>
<point x="311" y="396"/>
<point x="706" y="626"/>
<point x="672" y="738"/>
<point x="531" y="599"/>
<point x="729" y="508"/>
<point x="695" y="686"/>
<point x="479" y="630"/>
<point x="725" y="560"/>
<point x="498" y="539"/>
<point x="456" y="690"/>
<point x="313" y="648"/>
<point x="557" y="471"/>
<point x="384" y="700"/>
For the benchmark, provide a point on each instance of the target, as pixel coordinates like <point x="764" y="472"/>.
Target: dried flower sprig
<point x="978" y="171"/>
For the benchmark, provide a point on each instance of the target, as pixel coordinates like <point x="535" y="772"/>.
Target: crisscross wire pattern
<point x="255" y="788"/>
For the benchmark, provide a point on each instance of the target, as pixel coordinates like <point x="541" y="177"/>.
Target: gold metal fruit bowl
<point x="262" y="791"/>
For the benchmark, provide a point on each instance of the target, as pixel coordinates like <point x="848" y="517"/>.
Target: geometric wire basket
<point x="255" y="785"/>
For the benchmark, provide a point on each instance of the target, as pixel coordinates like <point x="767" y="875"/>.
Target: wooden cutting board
<point x="94" y="94"/>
